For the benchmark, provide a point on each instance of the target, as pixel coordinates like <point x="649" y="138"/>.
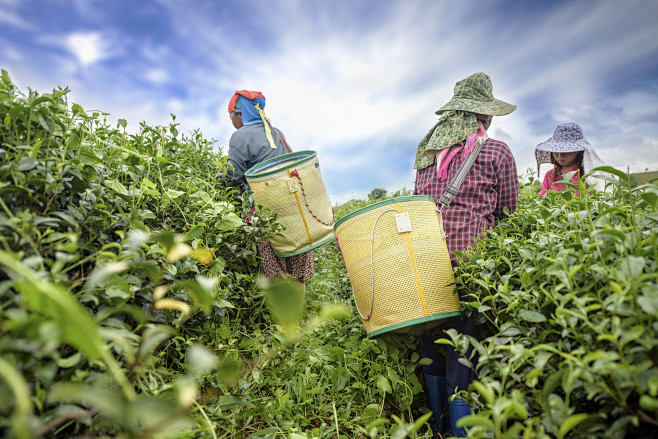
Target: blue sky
<point x="358" y="81"/>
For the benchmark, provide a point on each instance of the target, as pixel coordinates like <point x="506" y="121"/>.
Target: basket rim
<point x="383" y="203"/>
<point x="306" y="249"/>
<point x="304" y="157"/>
<point x="421" y="320"/>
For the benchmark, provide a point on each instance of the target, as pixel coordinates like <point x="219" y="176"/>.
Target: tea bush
<point x="111" y="245"/>
<point x="130" y="305"/>
<point x="566" y="287"/>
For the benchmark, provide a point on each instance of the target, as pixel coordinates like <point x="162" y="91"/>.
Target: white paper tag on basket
<point x="403" y="222"/>
<point x="292" y="185"/>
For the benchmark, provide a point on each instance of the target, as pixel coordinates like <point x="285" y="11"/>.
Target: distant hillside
<point x="643" y="177"/>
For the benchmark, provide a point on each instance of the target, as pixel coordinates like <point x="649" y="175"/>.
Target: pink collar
<point x="446" y="155"/>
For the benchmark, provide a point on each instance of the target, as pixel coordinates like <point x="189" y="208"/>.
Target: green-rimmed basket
<point x="291" y="186"/>
<point x="399" y="266"/>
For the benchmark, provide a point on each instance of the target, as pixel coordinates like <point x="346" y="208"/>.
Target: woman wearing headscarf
<point x="568" y="151"/>
<point x="254" y="141"/>
<point x="491" y="186"/>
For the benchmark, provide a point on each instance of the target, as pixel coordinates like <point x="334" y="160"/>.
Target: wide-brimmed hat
<point x="475" y="95"/>
<point x="568" y="137"/>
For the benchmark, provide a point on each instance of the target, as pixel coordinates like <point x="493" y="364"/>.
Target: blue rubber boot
<point x="458" y="409"/>
<point x="437" y="399"/>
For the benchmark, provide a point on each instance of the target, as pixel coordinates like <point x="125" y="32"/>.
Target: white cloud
<point x="88" y="47"/>
<point x="157" y="76"/>
<point x="338" y="90"/>
<point x="641" y="157"/>
<point x="176" y="106"/>
<point x="345" y="82"/>
<point x="331" y="91"/>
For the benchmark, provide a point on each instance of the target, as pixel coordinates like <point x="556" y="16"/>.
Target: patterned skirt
<point x="299" y="266"/>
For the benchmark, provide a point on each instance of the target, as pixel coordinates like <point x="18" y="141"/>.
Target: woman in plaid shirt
<point x="491" y="186"/>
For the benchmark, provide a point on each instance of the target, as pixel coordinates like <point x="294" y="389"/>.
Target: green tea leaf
<point x="88" y="158"/>
<point x="649" y="403"/>
<point x="228" y="401"/>
<point x="77" y="109"/>
<point x="152" y="336"/>
<point x="383" y="384"/>
<point x="230" y="222"/>
<point x="194" y="233"/>
<point x="5" y="77"/>
<point x="46" y="123"/>
<point x="118" y="288"/>
<point x="633" y="266"/>
<point x="532" y="316"/>
<point x="116" y="186"/>
<point x="35" y="148"/>
<point x="27" y="164"/>
<point x="648" y="301"/>
<point x="21" y="393"/>
<point x="570" y="423"/>
<point x="610" y="170"/>
<point x="200" y="360"/>
<point x="78" y="329"/>
<point x="527" y="254"/>
<point x="199" y="295"/>
<point x="286" y="302"/>
<point x="103" y="272"/>
<point x="173" y="194"/>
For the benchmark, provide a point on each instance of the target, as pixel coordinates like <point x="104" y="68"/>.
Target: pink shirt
<point x="550" y="178"/>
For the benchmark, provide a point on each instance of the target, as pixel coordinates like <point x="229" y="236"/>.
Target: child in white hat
<point x="568" y="151"/>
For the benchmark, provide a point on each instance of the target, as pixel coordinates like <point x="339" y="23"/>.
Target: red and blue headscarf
<point x="251" y="104"/>
<point x="248" y="102"/>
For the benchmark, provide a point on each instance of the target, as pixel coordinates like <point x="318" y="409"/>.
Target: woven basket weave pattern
<point x="401" y="262"/>
<point x="302" y="231"/>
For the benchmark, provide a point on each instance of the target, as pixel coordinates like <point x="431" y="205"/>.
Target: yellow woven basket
<point x="398" y="263"/>
<point x="291" y="186"/>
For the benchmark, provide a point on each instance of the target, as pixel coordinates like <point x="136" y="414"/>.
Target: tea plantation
<point x="130" y="303"/>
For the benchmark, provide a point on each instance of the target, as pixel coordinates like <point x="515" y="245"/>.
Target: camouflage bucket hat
<point x="475" y="95"/>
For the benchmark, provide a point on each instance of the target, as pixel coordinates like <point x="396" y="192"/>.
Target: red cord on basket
<point x="294" y="173"/>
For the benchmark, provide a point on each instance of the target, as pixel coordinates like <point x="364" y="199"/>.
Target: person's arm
<point x="546" y="184"/>
<point x="508" y="186"/>
<point x="238" y="157"/>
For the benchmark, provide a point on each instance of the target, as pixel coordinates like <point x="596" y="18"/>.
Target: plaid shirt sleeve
<point x="490" y="186"/>
<point x="508" y="184"/>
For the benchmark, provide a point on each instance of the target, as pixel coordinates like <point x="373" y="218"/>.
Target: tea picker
<point x="570" y="154"/>
<point x="288" y="183"/>
<point x="491" y="185"/>
<point x="399" y="253"/>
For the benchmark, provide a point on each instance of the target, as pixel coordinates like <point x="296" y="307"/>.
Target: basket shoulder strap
<point x="285" y="144"/>
<point x="453" y="187"/>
